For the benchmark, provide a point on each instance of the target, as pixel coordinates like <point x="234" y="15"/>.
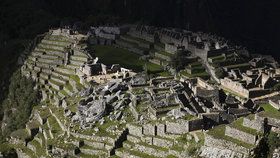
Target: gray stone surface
<point x="149" y="129"/>
<point x="210" y="141"/>
<point x="240" y="135"/>
<point x="179" y="127"/>
<point x="135" y="130"/>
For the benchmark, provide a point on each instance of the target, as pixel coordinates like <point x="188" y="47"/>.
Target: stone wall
<point x="254" y="124"/>
<point x="196" y="124"/>
<point x="94" y="138"/>
<point x="275" y="104"/>
<point x="155" y="61"/>
<point x="51" y="61"/>
<point x="56" y="87"/>
<point x="149" y="129"/>
<point x="65" y="71"/>
<point x="60" y="54"/>
<point x="96" y="145"/>
<point x="129" y="47"/>
<point x="204" y="84"/>
<point x="235" y="86"/>
<point x="134" y="111"/>
<point x="135" y="130"/>
<point x="133" y="139"/>
<point x="258" y="93"/>
<point x="93" y="152"/>
<point x="180" y="127"/>
<point x="124" y="44"/>
<point x="60" y="76"/>
<point x="107" y="35"/>
<point x="223" y="144"/>
<point x="198" y="52"/>
<point x="240" y="135"/>
<point x="139" y="43"/>
<point x="59" y="43"/>
<point x="151" y="151"/>
<point x="170" y="48"/>
<point x="213" y="152"/>
<point x="79" y="58"/>
<point x="161" y="129"/>
<point x="55" y="47"/>
<point x="162" y="142"/>
<point x="271" y="121"/>
<point x="146" y="37"/>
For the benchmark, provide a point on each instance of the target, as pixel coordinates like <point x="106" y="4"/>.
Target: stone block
<point x="96" y="145"/>
<point x="148" y="140"/>
<point x="135" y="130"/>
<point x="149" y="129"/>
<point x="196" y="124"/>
<point x="151" y="151"/>
<point x="133" y="139"/>
<point x="210" y="141"/>
<point x="254" y="124"/>
<point x="161" y="129"/>
<point x="240" y="135"/>
<point x="179" y="127"/>
<point x="162" y="142"/>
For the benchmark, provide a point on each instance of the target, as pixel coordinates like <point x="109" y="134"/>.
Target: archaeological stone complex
<point x="220" y="104"/>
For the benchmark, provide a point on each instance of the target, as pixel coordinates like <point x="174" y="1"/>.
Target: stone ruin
<point x="130" y="115"/>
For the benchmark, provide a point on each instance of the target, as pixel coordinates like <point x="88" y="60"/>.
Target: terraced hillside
<point x="132" y="116"/>
<point x="54" y="64"/>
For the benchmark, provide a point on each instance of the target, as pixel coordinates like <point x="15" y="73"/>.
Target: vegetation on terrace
<point x="238" y="124"/>
<point x="219" y="133"/>
<point x="165" y="53"/>
<point x="201" y="74"/>
<point x="269" y="111"/>
<point x="111" y="55"/>
<point x="243" y="65"/>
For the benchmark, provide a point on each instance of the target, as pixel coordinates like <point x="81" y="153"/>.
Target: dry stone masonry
<point x="214" y="107"/>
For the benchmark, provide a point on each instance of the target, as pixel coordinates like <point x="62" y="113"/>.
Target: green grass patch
<point x="164" y="74"/>
<point x="55" y="128"/>
<point x="69" y="87"/>
<point x="201" y="74"/>
<point x="111" y="55"/>
<point x="77" y="80"/>
<point x="165" y="53"/>
<point x="269" y="111"/>
<point x="21" y="134"/>
<point x="5" y="147"/>
<point x="217" y="58"/>
<point x="39" y="149"/>
<point x="195" y="64"/>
